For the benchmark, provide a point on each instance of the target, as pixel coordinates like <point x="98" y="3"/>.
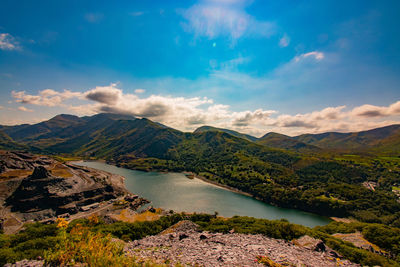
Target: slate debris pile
<point x="185" y="244"/>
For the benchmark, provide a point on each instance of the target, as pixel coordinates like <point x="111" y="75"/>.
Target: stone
<point x="183" y="236"/>
<point x="39" y="173"/>
<point x="320" y="247"/>
<point x="202" y="237"/>
<point x="310" y="243"/>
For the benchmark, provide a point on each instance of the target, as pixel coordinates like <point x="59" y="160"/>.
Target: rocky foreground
<point x="186" y="245"/>
<point x="36" y="188"/>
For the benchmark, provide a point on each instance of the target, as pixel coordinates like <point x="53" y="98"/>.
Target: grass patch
<point x="67" y="158"/>
<point x="330" y="198"/>
<point x="15" y="174"/>
<point x="61" y="171"/>
<point x="126" y="216"/>
<point x="84" y="246"/>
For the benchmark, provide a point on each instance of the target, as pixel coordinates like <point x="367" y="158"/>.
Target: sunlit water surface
<point x="177" y="192"/>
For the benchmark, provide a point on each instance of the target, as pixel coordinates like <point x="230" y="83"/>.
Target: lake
<point x="174" y="191"/>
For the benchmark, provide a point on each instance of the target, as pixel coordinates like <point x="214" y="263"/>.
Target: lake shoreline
<point x="202" y="178"/>
<point x="227" y="187"/>
<point x="191" y="175"/>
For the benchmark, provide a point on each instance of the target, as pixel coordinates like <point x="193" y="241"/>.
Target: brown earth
<point x="38" y="188"/>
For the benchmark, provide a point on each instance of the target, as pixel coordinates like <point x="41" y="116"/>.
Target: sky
<point x="258" y="66"/>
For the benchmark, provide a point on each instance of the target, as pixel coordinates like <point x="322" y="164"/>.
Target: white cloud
<point x="22" y="108"/>
<point x="187" y="114"/>
<point x="83" y="110"/>
<point x="312" y="120"/>
<point x="105" y="94"/>
<point x="246" y="118"/>
<point x="370" y="111"/>
<point x="47" y="97"/>
<point x="8" y="42"/>
<point x="284" y="41"/>
<point x="224" y="18"/>
<point x="140" y="91"/>
<point x="314" y="54"/>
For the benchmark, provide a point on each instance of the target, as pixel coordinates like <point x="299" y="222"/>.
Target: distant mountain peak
<point x="65" y="116"/>
<point x="114" y="116"/>
<point x="281" y="141"/>
<point x="207" y="128"/>
<point x="273" y="134"/>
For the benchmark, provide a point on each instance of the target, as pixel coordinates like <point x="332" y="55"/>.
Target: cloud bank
<point x="189" y="113"/>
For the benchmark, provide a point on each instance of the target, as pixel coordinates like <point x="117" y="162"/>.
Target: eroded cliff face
<point x="37" y="187"/>
<point x="43" y="191"/>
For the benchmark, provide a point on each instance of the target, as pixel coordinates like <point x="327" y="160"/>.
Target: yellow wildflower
<point x="62" y="223"/>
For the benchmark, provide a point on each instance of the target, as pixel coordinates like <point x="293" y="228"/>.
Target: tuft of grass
<point x="266" y="261"/>
<point x="84" y="246"/>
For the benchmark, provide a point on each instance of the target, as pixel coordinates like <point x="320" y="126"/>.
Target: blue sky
<point x="253" y="66"/>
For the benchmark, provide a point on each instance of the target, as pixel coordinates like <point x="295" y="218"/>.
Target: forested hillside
<point x="316" y="180"/>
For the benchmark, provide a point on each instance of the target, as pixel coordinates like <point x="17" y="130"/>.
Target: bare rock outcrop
<point x="36" y="187"/>
<point x="310" y="243"/>
<point x="43" y="191"/>
<point x="185" y="244"/>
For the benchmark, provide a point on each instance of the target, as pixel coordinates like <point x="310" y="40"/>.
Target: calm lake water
<point x="177" y="192"/>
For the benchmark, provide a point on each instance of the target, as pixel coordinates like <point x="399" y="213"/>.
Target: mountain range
<point x="110" y="134"/>
<point x="311" y="172"/>
<point x="384" y="140"/>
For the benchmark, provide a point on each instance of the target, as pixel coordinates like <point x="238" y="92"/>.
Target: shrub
<point x="84" y="246"/>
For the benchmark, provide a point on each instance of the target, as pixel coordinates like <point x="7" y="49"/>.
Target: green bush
<point x="29" y="243"/>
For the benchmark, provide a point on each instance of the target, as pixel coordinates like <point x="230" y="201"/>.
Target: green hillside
<point x="383" y="140"/>
<point x="8" y="143"/>
<point x="272" y="140"/>
<point x="320" y="185"/>
<point x="37" y="131"/>
<point x="277" y="140"/>
<point x="203" y="129"/>
<point x="140" y="137"/>
<point x="325" y="183"/>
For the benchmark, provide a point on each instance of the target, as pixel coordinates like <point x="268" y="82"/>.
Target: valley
<point x="174" y="191"/>
<point x="85" y="170"/>
<point x="196" y="133"/>
<point x="301" y="176"/>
